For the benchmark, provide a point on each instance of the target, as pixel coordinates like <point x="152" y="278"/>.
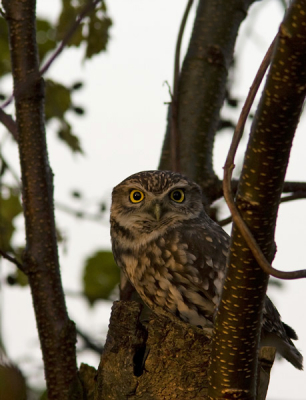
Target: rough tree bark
<point x="40" y="261"/>
<point x="201" y="90"/>
<point x="169" y="368"/>
<point x="157" y="359"/>
<point x="238" y="322"/>
<point x="242" y="384"/>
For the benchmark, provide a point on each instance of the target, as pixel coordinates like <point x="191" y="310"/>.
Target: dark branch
<point x="229" y="163"/>
<point x="229" y="166"/>
<point x="175" y="145"/>
<point x="9" y="123"/>
<point x="89" y="343"/>
<point x="56" y="331"/>
<point x="202" y="83"/>
<point x="79" y="213"/>
<point x="295" y="196"/>
<point x="13" y="260"/>
<point x="292" y="187"/>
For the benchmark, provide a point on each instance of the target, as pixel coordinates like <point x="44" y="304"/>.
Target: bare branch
<point x="89" y="342"/>
<point x="293" y="187"/>
<point x="295" y="196"/>
<point x="175" y="145"/>
<point x="9" y="123"/>
<point x="80" y="213"/>
<point x="229" y="166"/>
<point x="56" y="331"/>
<point x="299" y="195"/>
<point x="229" y="163"/>
<point x="13" y="260"/>
<point x="10" y="168"/>
<point x="225" y="221"/>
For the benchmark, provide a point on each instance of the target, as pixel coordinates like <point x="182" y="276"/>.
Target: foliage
<point x="10" y="208"/>
<point x="12" y="382"/>
<point x="101" y="276"/>
<point x="94" y="34"/>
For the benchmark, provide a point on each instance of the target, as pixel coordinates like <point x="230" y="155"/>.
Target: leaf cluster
<point x="92" y="33"/>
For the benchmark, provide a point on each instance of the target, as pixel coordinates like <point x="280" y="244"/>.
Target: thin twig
<point x="175" y="145"/>
<point x="86" y="10"/>
<point x="9" y="168"/>
<point x="80" y="214"/>
<point x="229" y="163"/>
<point x="295" y="196"/>
<point x="225" y="221"/>
<point x="228" y="168"/>
<point x="13" y="260"/>
<point x="9" y="123"/>
<point x="89" y="343"/>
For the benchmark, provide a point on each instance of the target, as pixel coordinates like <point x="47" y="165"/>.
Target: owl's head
<point x="152" y="200"/>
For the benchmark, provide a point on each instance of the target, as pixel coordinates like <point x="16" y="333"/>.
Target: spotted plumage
<point x="175" y="255"/>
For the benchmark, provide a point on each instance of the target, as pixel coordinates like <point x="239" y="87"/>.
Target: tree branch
<point x="295" y="196"/>
<point x="13" y="260"/>
<point x="238" y="320"/>
<point x="201" y="90"/>
<point x="175" y="144"/>
<point x="228" y="168"/>
<point x="9" y="123"/>
<point x="56" y="331"/>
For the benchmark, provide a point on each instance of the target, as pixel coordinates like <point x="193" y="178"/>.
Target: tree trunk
<point x="157" y="359"/>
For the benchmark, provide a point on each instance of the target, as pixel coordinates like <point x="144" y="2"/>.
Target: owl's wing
<point x="195" y="262"/>
<point x="278" y="334"/>
<point x="209" y="244"/>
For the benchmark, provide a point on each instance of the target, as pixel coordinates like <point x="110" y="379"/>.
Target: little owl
<point x="175" y="255"/>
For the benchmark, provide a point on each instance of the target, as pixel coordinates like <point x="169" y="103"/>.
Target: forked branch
<point x="228" y="168"/>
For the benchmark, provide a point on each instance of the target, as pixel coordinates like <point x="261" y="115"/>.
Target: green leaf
<point x="93" y="30"/>
<point x="10" y="207"/>
<point x="58" y="100"/>
<point x="69" y="138"/>
<point x="12" y="383"/>
<point x="21" y="278"/>
<point x="17" y="278"/>
<point x="97" y="35"/>
<point x="101" y="276"/>
<point x="5" y="59"/>
<point x="66" y="19"/>
<point x="45" y="36"/>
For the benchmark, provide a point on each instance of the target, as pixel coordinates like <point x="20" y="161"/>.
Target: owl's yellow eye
<point x="177" y="195"/>
<point x="136" y="196"/>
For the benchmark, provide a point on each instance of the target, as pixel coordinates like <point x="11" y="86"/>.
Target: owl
<point x="175" y="255"/>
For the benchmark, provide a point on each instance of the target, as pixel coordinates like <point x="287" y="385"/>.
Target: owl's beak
<point x="157" y="211"/>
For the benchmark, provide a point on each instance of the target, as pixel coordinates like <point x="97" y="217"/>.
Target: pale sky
<point x="122" y="133"/>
